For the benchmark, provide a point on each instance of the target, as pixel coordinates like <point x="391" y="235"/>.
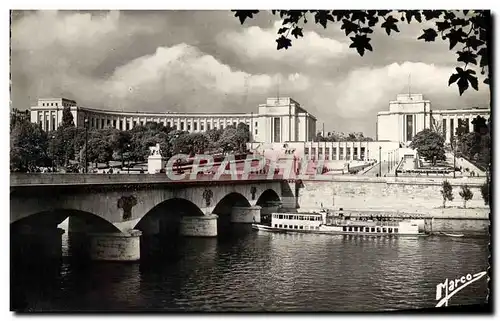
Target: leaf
<point x="322" y="17"/>
<point x="443" y="25"/>
<point x="429" y="35"/>
<point x="458" y="22"/>
<point x="361" y="42"/>
<point x="349" y="27"/>
<point x="431" y="14"/>
<point x="473" y="42"/>
<point x="390" y="24"/>
<point x="487" y="81"/>
<point x="244" y="14"/>
<point x="453" y="78"/>
<point x="366" y="30"/>
<point x="467" y="57"/>
<point x="297" y="32"/>
<point x="383" y="13"/>
<point x="283" y="42"/>
<point x="483" y="62"/>
<point x="372" y="21"/>
<point x="282" y="30"/>
<point x="413" y="13"/>
<point x="359" y="15"/>
<point x="340" y="14"/>
<point x="456" y="36"/>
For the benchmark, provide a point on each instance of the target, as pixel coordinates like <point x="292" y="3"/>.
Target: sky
<point x="206" y="61"/>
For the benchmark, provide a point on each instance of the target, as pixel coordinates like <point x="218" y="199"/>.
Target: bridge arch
<point x="88" y="222"/>
<point x="165" y="217"/>
<point x="224" y="209"/>
<point x="269" y="201"/>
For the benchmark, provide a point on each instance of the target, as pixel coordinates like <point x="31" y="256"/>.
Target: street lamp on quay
<point x="86" y="145"/>
<point x="53" y="153"/>
<point x="379" y="161"/>
<point x="128" y="167"/>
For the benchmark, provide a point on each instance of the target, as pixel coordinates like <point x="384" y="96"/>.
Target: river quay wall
<point x="405" y="195"/>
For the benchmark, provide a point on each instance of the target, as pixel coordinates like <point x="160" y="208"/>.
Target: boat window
<point x="275" y="225"/>
<point x="350" y="228"/>
<point x="285" y="226"/>
<point x="395" y="230"/>
<point x="384" y="230"/>
<point x="301" y="227"/>
<point x="344" y="228"/>
<point x="317" y="227"/>
<point x="390" y="229"/>
<point x="355" y="229"/>
<point x="378" y="229"/>
<point x="367" y="229"/>
<point x="373" y="229"/>
<point x="280" y="226"/>
<point x="295" y="227"/>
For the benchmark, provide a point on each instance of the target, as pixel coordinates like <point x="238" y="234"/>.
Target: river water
<point x="261" y="271"/>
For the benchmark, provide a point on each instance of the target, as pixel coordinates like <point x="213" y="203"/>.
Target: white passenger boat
<point x="318" y="223"/>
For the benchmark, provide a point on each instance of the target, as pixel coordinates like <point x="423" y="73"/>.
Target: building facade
<point x="411" y="113"/>
<point x="278" y="120"/>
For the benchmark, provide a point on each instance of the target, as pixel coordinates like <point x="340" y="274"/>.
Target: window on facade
<point x="121" y="124"/>
<point x="43" y="104"/>
<point x="348" y="152"/>
<point x="277" y="130"/>
<point x="334" y="153"/>
<point x="409" y="127"/>
<point x="256" y="131"/>
<point x="114" y="123"/>
<point x="362" y="153"/>
<point x="169" y="124"/>
<point x="341" y="153"/>
<point x="320" y="151"/>
<point x="355" y="153"/>
<point x="256" y="124"/>
<point x="182" y="125"/>
<point x="234" y="124"/>
<point x="327" y="153"/>
<point x="451" y="127"/>
<point x="188" y="126"/>
<point x="102" y="123"/>
<point x="208" y="126"/>
<point x="127" y="126"/>
<point x="202" y="127"/>
<point x="134" y="123"/>
<point x="195" y="125"/>
<point x="313" y="151"/>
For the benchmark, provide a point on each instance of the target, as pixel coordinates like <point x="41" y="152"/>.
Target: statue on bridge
<point x="155" y="150"/>
<point x="156" y="162"/>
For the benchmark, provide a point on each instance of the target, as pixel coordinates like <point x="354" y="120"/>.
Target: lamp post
<point x="454" y="157"/>
<point x="53" y="153"/>
<point x="128" y="156"/>
<point x="379" y="161"/>
<point x="86" y="145"/>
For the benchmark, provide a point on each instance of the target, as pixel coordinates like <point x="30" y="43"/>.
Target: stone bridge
<point x="114" y="211"/>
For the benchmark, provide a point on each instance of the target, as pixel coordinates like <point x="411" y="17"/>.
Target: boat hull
<point x="266" y="228"/>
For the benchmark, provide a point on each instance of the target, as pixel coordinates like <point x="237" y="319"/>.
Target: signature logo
<point x="447" y="289"/>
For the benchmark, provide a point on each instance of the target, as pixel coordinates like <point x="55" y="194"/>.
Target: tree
<point x="430" y="145"/>
<point x="466" y="194"/>
<point x="485" y="192"/>
<point x="28" y="147"/>
<point x="99" y="151"/>
<point x="67" y="118"/>
<point x="121" y="142"/>
<point x="446" y="192"/>
<point x="468" y="32"/>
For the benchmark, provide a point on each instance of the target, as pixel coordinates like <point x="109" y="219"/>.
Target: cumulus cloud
<point x="260" y="43"/>
<point x="179" y="77"/>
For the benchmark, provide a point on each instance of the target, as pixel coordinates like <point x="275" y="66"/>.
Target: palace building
<point x="278" y="120"/>
<point x="281" y="125"/>
<point x="411" y="113"/>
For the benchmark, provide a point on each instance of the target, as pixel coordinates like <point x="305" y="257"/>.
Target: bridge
<point x="114" y="212"/>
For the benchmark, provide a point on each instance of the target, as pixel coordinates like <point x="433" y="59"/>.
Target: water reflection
<point x="259" y="271"/>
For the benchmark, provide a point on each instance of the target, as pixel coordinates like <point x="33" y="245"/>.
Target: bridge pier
<point x="245" y="214"/>
<point x="115" y="246"/>
<point x="43" y="242"/>
<point x="205" y="226"/>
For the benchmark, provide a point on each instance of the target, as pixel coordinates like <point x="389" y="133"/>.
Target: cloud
<point x="260" y="43"/>
<point x="69" y="62"/>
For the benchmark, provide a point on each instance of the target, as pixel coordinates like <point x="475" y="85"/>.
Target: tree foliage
<point x="67" y="118"/>
<point x="28" y="146"/>
<point x="430" y="145"/>
<point x="466" y="194"/>
<point x="446" y="192"/>
<point x="485" y="192"/>
<point x="476" y="145"/>
<point x="468" y="33"/>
